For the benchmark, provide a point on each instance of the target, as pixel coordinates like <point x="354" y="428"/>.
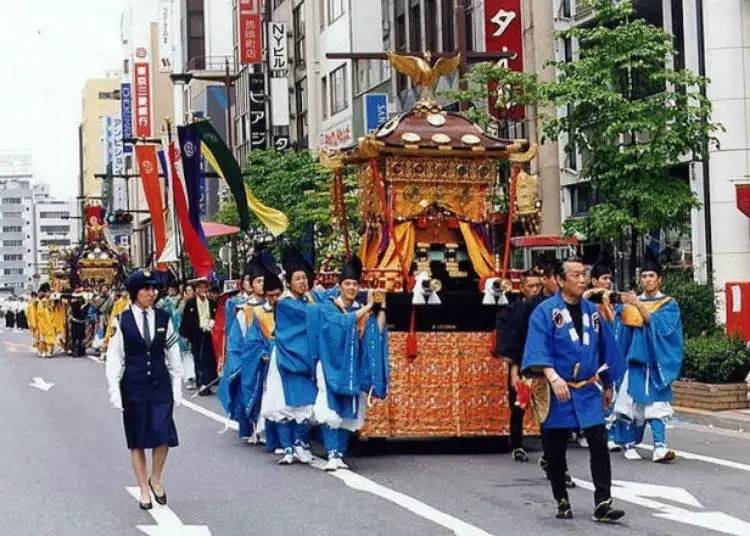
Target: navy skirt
<point x="147" y="416"/>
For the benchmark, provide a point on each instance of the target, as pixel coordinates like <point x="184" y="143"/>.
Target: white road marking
<point x="639" y="489"/>
<point x="703" y="458"/>
<point x="39" y="383"/>
<point x="361" y="483"/>
<point x="640" y="494"/>
<point x="167" y="522"/>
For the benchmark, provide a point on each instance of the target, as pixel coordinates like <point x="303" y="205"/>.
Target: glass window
<point x="15" y="257"/>
<point x="11" y="228"/>
<point x="401" y="33"/>
<point x="324" y="95"/>
<point x="415" y="26"/>
<point x="195" y="35"/>
<point x="55" y="242"/>
<point x="582" y="198"/>
<point x="339" y="97"/>
<point x="300" y="94"/>
<point x="568" y="49"/>
<point x="335" y="10"/>
<point x="12" y="243"/>
<point x="12" y="200"/>
<point x="430" y="25"/>
<point x="57" y="229"/>
<point x="447" y="25"/>
<point x="299" y="34"/>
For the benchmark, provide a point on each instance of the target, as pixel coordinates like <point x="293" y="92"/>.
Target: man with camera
<point x="576" y="352"/>
<point x="651" y="341"/>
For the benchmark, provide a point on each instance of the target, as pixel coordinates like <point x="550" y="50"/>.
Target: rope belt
<point x="593" y="380"/>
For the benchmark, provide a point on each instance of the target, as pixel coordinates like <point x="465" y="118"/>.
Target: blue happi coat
<point x="296" y="364"/>
<point x="654" y="352"/>
<point x="553" y="342"/>
<point x="351" y="363"/>
<point x="241" y="386"/>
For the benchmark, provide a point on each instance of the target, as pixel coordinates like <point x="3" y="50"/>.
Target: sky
<point x="48" y="48"/>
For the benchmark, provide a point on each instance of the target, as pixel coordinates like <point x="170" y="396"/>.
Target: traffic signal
<point x="119" y="217"/>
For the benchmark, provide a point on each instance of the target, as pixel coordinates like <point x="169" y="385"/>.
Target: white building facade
<point x="55" y="225"/>
<point x="16" y="222"/>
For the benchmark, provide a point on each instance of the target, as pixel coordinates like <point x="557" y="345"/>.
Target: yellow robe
<point x="31" y="317"/>
<point x="46" y="325"/>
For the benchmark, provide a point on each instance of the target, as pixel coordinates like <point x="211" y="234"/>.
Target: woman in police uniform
<point x="144" y="372"/>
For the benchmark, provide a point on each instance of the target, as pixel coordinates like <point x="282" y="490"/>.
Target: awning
<point x="212" y="229"/>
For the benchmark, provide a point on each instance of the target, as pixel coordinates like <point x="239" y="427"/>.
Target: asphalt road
<point x="64" y="470"/>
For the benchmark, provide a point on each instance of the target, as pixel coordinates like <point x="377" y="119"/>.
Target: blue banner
<point x="126" y="113"/>
<point x="376" y="111"/>
<point x="190" y="146"/>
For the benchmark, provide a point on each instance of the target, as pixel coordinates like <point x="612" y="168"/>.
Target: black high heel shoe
<point x="145" y="506"/>
<point x="161" y="499"/>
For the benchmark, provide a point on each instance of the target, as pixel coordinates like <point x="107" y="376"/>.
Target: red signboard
<point x="142" y="105"/>
<point x="743" y="198"/>
<point x="250" y="33"/>
<point x="503" y="33"/>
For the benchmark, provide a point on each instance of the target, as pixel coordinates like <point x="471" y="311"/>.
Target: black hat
<point x="651" y="264"/>
<point x="293" y="261"/>
<point x="254" y="268"/>
<point x="271" y="281"/>
<point x="44" y="287"/>
<point x="140" y="279"/>
<point x="601" y="266"/>
<point x="352" y="269"/>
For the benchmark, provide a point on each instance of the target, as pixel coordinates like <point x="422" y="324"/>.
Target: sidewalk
<point x="736" y="419"/>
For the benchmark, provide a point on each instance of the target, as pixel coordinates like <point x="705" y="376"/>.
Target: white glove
<point x="210" y="324"/>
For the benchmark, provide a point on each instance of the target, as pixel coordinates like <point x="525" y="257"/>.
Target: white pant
<point x="188" y="365"/>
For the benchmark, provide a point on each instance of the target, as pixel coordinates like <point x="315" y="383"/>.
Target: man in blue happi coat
<point x="290" y="386"/>
<point x="575" y="351"/>
<point x="248" y="353"/>
<point x="651" y="341"/>
<point x="350" y="345"/>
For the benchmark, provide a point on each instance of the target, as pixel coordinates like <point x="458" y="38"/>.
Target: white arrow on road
<point x="643" y="494"/>
<point x="639" y="489"/>
<point x="39" y="383"/>
<point x="167" y="522"/>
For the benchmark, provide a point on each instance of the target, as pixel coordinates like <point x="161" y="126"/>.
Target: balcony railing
<point x="210" y="64"/>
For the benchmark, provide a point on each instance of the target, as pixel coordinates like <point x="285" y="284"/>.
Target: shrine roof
<point x="426" y="128"/>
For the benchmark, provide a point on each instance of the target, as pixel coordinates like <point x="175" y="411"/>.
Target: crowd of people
<point x="609" y="359"/>
<point x="291" y="360"/>
<point x="13" y="309"/>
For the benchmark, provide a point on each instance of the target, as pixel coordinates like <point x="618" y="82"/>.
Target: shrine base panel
<point x="454" y="387"/>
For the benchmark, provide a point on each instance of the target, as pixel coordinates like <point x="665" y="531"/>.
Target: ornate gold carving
<point x="423" y="74"/>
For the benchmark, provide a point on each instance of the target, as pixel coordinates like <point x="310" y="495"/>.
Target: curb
<point x="728" y="420"/>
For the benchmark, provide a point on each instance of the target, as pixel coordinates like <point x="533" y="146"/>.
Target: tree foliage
<point x="505" y="88"/>
<point x="298" y="186"/>
<point x="631" y="115"/>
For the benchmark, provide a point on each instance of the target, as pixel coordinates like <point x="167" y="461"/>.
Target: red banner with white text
<point x="250" y="31"/>
<point x="148" y="169"/>
<point x="504" y="33"/>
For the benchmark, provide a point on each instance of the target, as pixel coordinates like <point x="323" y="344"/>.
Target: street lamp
<point x="227" y="79"/>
